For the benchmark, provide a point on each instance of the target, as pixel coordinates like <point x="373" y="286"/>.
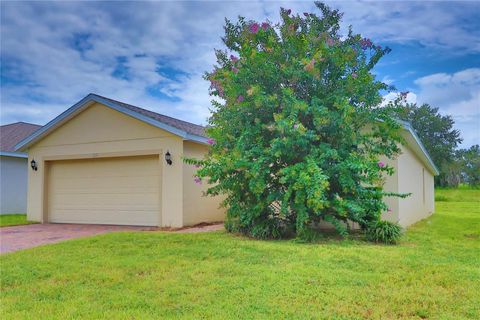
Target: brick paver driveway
<point x="21" y="237"/>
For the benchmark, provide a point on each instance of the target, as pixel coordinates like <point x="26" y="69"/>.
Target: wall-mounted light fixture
<point x="168" y="158"/>
<point x="33" y="164"/>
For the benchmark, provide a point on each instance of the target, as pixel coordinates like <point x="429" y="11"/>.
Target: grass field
<point x="434" y="273"/>
<point x="13" y="220"/>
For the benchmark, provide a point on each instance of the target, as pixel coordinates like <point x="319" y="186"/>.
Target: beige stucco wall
<point x="414" y="178"/>
<point x="100" y="131"/>
<point x="391" y="185"/>
<point x="197" y="207"/>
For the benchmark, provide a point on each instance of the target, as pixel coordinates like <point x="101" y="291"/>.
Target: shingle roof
<point x="13" y="133"/>
<point x="177" y="123"/>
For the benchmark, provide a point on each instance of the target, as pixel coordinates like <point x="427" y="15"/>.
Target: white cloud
<point x="387" y="80"/>
<point x="48" y="72"/>
<point x="411" y="97"/>
<point x="430" y="23"/>
<point x="456" y="94"/>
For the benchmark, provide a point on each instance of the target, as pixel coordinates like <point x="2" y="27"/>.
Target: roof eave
<point x="13" y="154"/>
<point x="196" y="138"/>
<point x="91" y="98"/>
<point x="430" y="162"/>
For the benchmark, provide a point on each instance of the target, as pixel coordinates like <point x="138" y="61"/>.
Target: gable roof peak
<point x="185" y="130"/>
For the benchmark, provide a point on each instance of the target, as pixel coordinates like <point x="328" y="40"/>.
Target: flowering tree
<point x="298" y="130"/>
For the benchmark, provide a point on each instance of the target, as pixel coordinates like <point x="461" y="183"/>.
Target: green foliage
<point x="384" y="232"/>
<point x="297" y="131"/>
<point x="439" y="137"/>
<point x="310" y="235"/>
<point x="469" y="160"/>
<point x="14" y="219"/>
<point x="441" y="198"/>
<point x="270" y="228"/>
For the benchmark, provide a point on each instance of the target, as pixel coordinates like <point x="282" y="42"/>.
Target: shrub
<point x="232" y="225"/>
<point x="441" y="198"/>
<point x="384" y="231"/>
<point x="271" y="228"/>
<point x="310" y="235"/>
<point x="297" y="128"/>
<point x="268" y="229"/>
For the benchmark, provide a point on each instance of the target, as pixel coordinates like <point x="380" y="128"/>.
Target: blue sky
<point x="153" y="54"/>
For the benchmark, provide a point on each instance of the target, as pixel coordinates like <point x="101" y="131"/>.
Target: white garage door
<point x="122" y="191"/>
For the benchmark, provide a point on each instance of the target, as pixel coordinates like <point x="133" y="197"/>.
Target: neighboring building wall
<point x="98" y="132"/>
<point x="197" y="207"/>
<point x="391" y="185"/>
<point x="13" y="185"/>
<point x="414" y="178"/>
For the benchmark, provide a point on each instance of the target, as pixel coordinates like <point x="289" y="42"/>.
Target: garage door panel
<point x="123" y="206"/>
<point x="109" y="183"/>
<point x="121" y="201"/>
<point x="106" y="191"/>
<point x="130" y="217"/>
<point x="103" y="166"/>
<point x="60" y="191"/>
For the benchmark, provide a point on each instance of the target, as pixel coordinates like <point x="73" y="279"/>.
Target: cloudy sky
<point x="153" y="54"/>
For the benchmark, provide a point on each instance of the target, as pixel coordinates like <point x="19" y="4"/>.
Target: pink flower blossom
<point x="366" y="43"/>
<point x="215" y="85"/>
<point x="403" y="95"/>
<point x="309" y="66"/>
<point x="295" y="126"/>
<point x="211" y="141"/>
<point x="265" y="26"/>
<point x="381" y="164"/>
<point x="330" y="41"/>
<point x="389" y="210"/>
<point x="240" y="98"/>
<point x="354" y="75"/>
<point x="198" y="180"/>
<point x="233" y="58"/>
<point x="197" y="166"/>
<point x="254" y="27"/>
<point x="235" y="70"/>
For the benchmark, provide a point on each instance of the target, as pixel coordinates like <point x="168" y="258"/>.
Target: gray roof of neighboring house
<point x="13" y="133"/>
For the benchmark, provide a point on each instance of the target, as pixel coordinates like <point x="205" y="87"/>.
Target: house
<point x="414" y="175"/>
<point x="107" y="162"/>
<point x="13" y="167"/>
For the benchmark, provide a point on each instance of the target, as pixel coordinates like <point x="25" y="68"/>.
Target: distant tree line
<point x="456" y="166"/>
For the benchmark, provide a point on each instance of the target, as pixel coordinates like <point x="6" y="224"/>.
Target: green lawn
<point x="13" y="220"/>
<point x="433" y="274"/>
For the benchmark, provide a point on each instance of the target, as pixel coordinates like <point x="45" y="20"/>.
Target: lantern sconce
<point x="168" y="158"/>
<point x="33" y="164"/>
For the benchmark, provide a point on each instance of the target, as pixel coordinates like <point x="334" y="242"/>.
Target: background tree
<point x="298" y="130"/>
<point x="469" y="160"/>
<point x="438" y="136"/>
